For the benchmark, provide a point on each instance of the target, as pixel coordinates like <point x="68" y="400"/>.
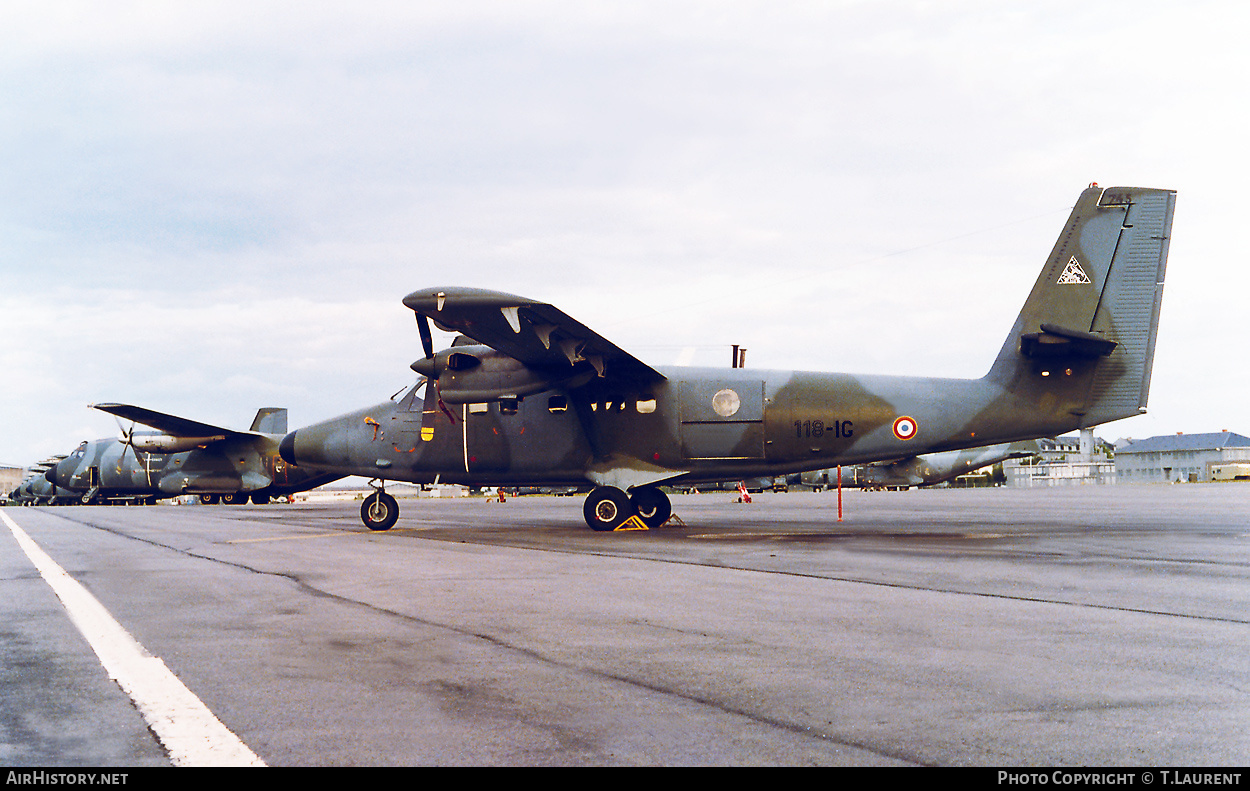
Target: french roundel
<point x="905" y="427"/>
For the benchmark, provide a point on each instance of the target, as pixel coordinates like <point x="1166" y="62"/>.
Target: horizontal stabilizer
<point x="1054" y="341"/>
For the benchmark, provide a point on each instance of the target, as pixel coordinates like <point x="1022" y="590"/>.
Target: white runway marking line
<point x="191" y="734"/>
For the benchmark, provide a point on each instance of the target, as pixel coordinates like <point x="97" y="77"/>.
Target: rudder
<point x="1129" y="310"/>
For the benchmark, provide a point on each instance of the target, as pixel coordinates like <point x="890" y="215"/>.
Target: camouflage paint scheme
<point x="926" y="470"/>
<point x="184" y="457"/>
<point x="528" y="396"/>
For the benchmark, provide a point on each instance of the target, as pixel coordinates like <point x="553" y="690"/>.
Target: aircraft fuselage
<point x="696" y="425"/>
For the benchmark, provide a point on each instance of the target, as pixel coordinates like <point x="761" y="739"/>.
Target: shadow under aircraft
<point x="185" y="457"/>
<point x="528" y="396"/>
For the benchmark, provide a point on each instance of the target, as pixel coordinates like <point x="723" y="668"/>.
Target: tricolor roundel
<point x="905" y="427"/>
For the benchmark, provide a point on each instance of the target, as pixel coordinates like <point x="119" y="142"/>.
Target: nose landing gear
<point x="379" y="511"/>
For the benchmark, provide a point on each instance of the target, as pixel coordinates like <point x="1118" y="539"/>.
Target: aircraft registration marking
<point x="817" y="428"/>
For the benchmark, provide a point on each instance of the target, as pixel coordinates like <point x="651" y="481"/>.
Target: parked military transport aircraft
<point x="35" y="489"/>
<point x="185" y="457"/>
<point x="926" y="470"/>
<point x="528" y="396"/>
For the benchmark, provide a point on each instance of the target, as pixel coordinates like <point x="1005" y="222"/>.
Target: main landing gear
<point x="607" y="507"/>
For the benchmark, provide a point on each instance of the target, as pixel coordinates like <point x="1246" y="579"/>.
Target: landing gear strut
<point x="379" y="511"/>
<point x="607" y="507"/>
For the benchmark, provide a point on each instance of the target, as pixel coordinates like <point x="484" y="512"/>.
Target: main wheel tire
<point x="379" y="511"/>
<point x="208" y="499"/>
<point x="606" y="508"/>
<point x="260" y="499"/>
<point x="651" y="505"/>
<point x="235" y="498"/>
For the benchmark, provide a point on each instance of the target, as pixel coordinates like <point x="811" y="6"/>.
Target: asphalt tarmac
<point x="1091" y="626"/>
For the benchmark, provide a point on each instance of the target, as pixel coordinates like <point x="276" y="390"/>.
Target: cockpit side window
<point x="414" y="401"/>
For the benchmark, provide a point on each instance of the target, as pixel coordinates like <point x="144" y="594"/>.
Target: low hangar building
<point x="1184" y="458"/>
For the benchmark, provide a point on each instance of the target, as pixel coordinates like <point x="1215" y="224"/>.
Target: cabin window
<point x="509" y="406"/>
<point x="645" y="407"/>
<point x="726" y="403"/>
<point x="558" y="404"/>
<point x="478" y="409"/>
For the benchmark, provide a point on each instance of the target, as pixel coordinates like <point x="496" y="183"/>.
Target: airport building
<point x="1079" y="460"/>
<point x="1183" y="458"/>
<point x="10" y="478"/>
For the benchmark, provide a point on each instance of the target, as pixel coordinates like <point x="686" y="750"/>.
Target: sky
<point x="214" y="207"/>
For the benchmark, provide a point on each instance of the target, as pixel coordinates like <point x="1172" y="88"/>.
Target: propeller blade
<point x="427" y="340"/>
<point x="127" y="442"/>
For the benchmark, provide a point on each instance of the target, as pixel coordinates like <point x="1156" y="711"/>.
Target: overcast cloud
<point x="208" y="208"/>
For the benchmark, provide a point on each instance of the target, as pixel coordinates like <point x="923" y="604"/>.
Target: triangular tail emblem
<point x="1073" y="273"/>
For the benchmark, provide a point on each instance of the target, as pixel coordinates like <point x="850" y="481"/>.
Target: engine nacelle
<point x="166" y="443"/>
<point x="480" y="374"/>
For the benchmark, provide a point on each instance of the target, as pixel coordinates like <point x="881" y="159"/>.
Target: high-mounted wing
<point x="170" y="424"/>
<point x="536" y="334"/>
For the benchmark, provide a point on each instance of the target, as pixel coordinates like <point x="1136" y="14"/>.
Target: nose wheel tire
<point x="379" y="511"/>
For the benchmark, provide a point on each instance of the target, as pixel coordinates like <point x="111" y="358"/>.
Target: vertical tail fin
<point x="270" y="420"/>
<point x="1085" y="339"/>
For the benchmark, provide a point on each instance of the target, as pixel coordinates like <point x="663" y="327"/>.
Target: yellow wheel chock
<point x="636" y="523"/>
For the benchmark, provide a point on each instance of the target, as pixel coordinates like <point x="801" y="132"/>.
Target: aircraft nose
<point x="286" y="448"/>
<point x="50" y="474"/>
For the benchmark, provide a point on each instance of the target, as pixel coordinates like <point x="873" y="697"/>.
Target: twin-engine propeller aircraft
<point x="184" y="457"/>
<point x="527" y="396"/>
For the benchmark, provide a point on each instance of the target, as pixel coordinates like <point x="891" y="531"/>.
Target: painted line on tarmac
<point x="190" y="733"/>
